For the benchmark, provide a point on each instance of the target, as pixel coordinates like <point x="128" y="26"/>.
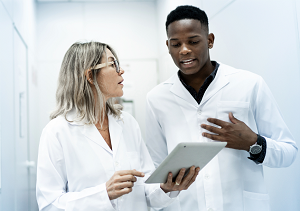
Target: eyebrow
<point x="188" y="37"/>
<point x="110" y="59"/>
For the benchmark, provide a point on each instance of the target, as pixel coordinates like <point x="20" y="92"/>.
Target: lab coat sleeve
<point x="51" y="191"/>
<point x="155" y="196"/>
<point x="155" y="138"/>
<point x="281" y="147"/>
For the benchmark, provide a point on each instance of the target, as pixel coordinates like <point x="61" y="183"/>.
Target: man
<point x="208" y="101"/>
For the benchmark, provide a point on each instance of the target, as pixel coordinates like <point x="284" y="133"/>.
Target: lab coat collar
<point x="179" y="90"/>
<point x="91" y="132"/>
<point x="217" y="84"/>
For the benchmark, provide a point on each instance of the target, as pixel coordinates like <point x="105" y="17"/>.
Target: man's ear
<point x="89" y="76"/>
<point x="211" y="40"/>
<point x="167" y="43"/>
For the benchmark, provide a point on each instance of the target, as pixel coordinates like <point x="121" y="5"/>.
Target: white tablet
<point x="185" y="155"/>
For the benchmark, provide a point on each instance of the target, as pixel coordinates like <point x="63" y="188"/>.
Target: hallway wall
<point x="18" y="104"/>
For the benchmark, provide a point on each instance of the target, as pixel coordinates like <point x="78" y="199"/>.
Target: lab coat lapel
<point x="180" y="91"/>
<point x="115" y="131"/>
<point x="216" y="85"/>
<point x="91" y="132"/>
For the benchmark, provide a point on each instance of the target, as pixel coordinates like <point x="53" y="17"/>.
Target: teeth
<point x="187" y="61"/>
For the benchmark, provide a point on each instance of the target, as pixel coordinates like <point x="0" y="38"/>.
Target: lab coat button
<point x="206" y="176"/>
<point x="210" y="209"/>
<point x="117" y="163"/>
<point x="199" y="112"/>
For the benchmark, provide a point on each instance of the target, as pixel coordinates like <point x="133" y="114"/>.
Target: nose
<point x="121" y="71"/>
<point x="184" y="50"/>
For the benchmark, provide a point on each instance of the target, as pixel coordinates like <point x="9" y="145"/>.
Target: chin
<point x="188" y="72"/>
<point x="120" y="94"/>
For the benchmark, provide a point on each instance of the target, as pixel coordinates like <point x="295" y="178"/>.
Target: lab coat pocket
<point x="255" y="201"/>
<point x="239" y="110"/>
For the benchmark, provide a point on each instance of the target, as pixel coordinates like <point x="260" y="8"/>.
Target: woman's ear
<point x="89" y="76"/>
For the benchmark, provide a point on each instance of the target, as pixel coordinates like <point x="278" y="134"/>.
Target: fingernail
<point x="142" y="174"/>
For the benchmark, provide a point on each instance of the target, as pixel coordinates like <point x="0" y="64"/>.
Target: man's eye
<point x="175" y="45"/>
<point x="194" y="42"/>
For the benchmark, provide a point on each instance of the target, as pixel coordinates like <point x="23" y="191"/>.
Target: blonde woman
<point x="91" y="154"/>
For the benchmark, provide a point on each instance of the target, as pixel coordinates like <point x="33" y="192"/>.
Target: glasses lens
<point x="117" y="66"/>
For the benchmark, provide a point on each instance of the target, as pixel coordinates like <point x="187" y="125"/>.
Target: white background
<point x="259" y="36"/>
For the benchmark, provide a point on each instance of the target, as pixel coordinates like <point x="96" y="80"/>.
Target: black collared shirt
<point x="259" y="158"/>
<point x="199" y="95"/>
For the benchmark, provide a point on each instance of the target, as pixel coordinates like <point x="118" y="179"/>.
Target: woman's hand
<point x="180" y="182"/>
<point x="122" y="182"/>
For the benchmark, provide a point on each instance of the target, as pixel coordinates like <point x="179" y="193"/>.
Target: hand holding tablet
<point x="182" y="181"/>
<point x="185" y="155"/>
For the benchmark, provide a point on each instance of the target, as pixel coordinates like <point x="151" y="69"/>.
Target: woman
<point x="91" y="154"/>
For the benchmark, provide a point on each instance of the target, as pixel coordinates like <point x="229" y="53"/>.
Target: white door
<point x="21" y="132"/>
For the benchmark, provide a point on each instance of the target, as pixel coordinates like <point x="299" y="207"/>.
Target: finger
<point x="232" y="118"/>
<point x="217" y="122"/>
<point x="126" y="178"/>
<point x="193" y="178"/>
<point x="131" y="172"/>
<point x="189" y="176"/>
<point x="213" y="137"/>
<point x="123" y="191"/>
<point x="179" y="176"/>
<point x="122" y="185"/>
<point x="211" y="128"/>
<point x="169" y="180"/>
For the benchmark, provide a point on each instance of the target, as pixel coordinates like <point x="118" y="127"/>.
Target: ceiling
<point x="92" y="0"/>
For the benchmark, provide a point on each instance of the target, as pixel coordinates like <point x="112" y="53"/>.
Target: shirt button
<point x="199" y="112"/>
<point x="206" y="176"/>
<point x="116" y="163"/>
<point x="210" y="209"/>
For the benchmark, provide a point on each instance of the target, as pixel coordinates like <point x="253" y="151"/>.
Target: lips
<point x="121" y="82"/>
<point x="188" y="62"/>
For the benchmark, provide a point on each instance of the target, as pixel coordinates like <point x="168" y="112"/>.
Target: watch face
<point x="255" y="149"/>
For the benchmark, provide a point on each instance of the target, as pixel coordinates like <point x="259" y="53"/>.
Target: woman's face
<point x="109" y="81"/>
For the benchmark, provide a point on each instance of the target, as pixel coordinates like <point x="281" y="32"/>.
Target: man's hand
<point x="181" y="183"/>
<point x="121" y="183"/>
<point x="237" y="134"/>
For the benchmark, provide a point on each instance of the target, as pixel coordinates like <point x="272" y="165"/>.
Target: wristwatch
<point x="255" y="148"/>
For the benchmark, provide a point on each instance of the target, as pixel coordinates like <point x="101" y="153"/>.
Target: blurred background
<point x="261" y="36"/>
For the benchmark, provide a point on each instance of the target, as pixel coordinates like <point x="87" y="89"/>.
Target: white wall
<point x="17" y="44"/>
<point x="262" y="37"/>
<point x="129" y="27"/>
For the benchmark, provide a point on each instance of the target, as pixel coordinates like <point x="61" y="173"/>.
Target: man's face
<point x="188" y="45"/>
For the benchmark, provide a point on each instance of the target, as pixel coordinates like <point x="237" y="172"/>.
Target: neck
<point x="196" y="80"/>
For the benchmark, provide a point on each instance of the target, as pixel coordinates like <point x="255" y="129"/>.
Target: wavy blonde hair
<point x="74" y="91"/>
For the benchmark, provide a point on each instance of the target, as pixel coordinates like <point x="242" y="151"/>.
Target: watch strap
<point x="259" y="158"/>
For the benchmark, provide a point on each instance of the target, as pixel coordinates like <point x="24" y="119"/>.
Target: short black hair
<point x="187" y="12"/>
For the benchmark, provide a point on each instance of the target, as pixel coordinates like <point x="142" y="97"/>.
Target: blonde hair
<point x="74" y="91"/>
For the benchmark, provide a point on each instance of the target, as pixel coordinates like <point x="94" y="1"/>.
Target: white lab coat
<point x="230" y="182"/>
<point x="74" y="163"/>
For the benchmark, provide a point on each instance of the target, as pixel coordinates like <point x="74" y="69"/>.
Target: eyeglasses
<point x="115" y="64"/>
